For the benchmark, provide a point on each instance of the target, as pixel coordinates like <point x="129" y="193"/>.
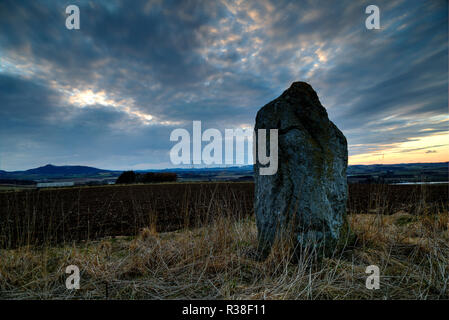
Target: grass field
<point x="208" y="251"/>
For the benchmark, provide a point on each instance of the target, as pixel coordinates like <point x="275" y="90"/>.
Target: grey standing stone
<point x="309" y="191"/>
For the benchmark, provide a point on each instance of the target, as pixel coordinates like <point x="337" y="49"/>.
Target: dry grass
<point x="214" y="262"/>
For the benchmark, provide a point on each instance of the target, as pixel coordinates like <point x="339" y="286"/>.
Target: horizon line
<point x="206" y="167"/>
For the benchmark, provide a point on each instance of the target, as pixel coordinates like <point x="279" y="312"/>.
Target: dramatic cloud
<point x="110" y="93"/>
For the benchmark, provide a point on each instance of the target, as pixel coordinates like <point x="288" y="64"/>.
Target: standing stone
<point x="307" y="196"/>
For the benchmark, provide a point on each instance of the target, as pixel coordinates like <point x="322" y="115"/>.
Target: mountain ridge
<point x="49" y="171"/>
<point x="51" y="167"/>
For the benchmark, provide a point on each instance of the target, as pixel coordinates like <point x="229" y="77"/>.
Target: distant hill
<point x="385" y="173"/>
<point x="202" y="170"/>
<point x="388" y="173"/>
<point x="63" y="170"/>
<point x="402" y="172"/>
<point x="58" y="172"/>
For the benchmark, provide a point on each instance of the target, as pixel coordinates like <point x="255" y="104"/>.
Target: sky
<point x="109" y="94"/>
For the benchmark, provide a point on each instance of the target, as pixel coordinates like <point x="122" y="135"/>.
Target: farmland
<point x="67" y="214"/>
<point x="86" y="213"/>
<point x="197" y="241"/>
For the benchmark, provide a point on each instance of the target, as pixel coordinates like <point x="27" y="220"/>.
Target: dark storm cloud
<point x="215" y="61"/>
<point x="31" y="122"/>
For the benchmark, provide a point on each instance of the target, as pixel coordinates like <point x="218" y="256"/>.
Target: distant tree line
<point x="149" y="177"/>
<point x="17" y="182"/>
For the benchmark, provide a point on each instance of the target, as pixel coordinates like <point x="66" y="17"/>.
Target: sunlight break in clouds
<point x="88" y="98"/>
<point x="414" y="150"/>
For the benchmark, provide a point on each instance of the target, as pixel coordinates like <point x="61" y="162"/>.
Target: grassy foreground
<point x="214" y="262"/>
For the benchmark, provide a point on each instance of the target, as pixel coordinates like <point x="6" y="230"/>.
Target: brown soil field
<point x="59" y="216"/>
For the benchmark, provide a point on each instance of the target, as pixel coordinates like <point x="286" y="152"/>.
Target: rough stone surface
<point x="308" y="193"/>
